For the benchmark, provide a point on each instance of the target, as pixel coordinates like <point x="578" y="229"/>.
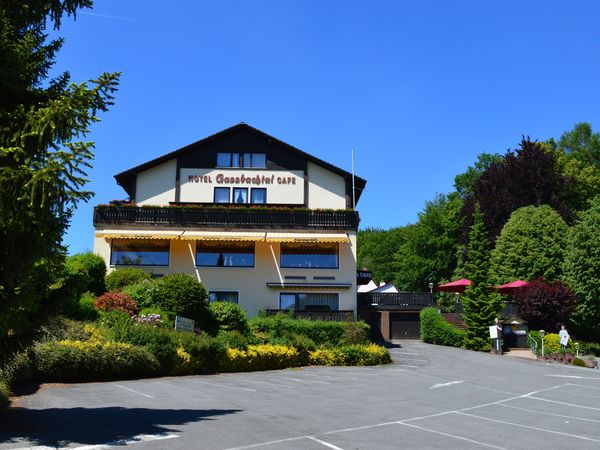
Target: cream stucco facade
<point x="284" y="191"/>
<point x="251" y="282"/>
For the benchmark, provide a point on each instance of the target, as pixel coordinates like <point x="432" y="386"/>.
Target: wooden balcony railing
<point x="407" y="301"/>
<point x="226" y="217"/>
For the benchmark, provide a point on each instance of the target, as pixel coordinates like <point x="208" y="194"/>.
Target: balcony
<point x="213" y="217"/>
<point x="402" y="301"/>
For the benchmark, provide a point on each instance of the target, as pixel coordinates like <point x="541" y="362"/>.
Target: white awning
<point x="307" y="237"/>
<point x="139" y="234"/>
<point x="224" y="235"/>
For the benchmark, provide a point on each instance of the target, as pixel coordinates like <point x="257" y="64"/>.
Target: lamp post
<point x="542" y="333"/>
<point x="431" y="288"/>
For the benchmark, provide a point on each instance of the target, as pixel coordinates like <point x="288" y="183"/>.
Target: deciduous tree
<point x="531" y="245"/>
<point x="546" y="305"/>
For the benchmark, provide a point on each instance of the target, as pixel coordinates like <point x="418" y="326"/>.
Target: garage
<point x="405" y="325"/>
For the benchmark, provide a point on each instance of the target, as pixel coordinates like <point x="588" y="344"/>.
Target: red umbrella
<point x="511" y="288"/>
<point x="457" y="286"/>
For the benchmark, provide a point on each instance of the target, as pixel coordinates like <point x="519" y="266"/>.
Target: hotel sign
<point x="283" y="186"/>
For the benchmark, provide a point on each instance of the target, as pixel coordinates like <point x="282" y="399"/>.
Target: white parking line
<point x="282" y="386"/>
<point x="134" y="391"/>
<point x="326" y="444"/>
<point x="224" y="386"/>
<point x="396" y="352"/>
<point x="573" y="376"/>
<point x="455" y="436"/>
<point x="563" y="403"/>
<point x="576" y="436"/>
<point x="583" y="385"/>
<point x="305" y="381"/>
<point x="450" y="383"/>
<point x="549" y="414"/>
<point x="408" y="365"/>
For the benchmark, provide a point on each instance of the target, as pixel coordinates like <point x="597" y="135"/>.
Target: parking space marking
<point x="455" y="436"/>
<point x="223" y="386"/>
<point x="263" y="444"/>
<point x="563" y="403"/>
<point x="119" y="443"/>
<point x="396" y="352"/>
<point x="408" y="365"/>
<point x="573" y="376"/>
<point x="305" y="381"/>
<point x="326" y="444"/>
<point x="584" y="386"/>
<point x="548" y="413"/>
<point x="581" y="394"/>
<point x="282" y="386"/>
<point x="133" y="390"/>
<point x="576" y="436"/>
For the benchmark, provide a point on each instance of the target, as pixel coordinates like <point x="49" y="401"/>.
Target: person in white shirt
<point x="564" y="337"/>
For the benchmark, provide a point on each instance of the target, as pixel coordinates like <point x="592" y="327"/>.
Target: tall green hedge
<point x="435" y="330"/>
<point x="320" y="332"/>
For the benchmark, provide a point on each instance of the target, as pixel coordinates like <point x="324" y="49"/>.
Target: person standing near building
<point x="564" y="337"/>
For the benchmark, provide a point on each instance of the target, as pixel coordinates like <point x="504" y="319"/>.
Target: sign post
<point x="184" y="324"/>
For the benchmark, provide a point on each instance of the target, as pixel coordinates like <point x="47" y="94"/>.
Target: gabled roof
<point x="124" y="179"/>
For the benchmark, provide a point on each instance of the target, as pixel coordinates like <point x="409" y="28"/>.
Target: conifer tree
<point x="480" y="306"/>
<point x="42" y="155"/>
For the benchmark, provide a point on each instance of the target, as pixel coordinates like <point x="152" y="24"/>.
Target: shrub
<point x="92" y="269"/>
<point x="141" y="292"/>
<point x="117" y="301"/>
<point x="196" y="354"/>
<point x="579" y="362"/>
<point x="552" y="343"/>
<point x="355" y="333"/>
<point x="182" y="295"/>
<point x="351" y="355"/>
<point x="152" y="310"/>
<point x="59" y="328"/>
<point x="17" y="369"/>
<point x="157" y="341"/>
<point x="87" y="310"/>
<point x="592" y="348"/>
<point x="5" y="394"/>
<point x="229" y="317"/>
<point x="435" y="330"/>
<point x="73" y="361"/>
<point x="153" y="320"/>
<point x="120" y="278"/>
<point x="232" y="339"/>
<point x="320" y="332"/>
<point x="259" y="357"/>
<point x="545" y="305"/>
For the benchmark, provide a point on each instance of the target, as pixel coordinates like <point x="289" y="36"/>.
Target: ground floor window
<point x="224" y="254"/>
<point x="315" y="255"/>
<point x="223" y="296"/>
<point x="139" y="252"/>
<point x="320" y="302"/>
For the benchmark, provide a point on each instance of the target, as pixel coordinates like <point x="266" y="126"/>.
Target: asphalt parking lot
<point x="431" y="397"/>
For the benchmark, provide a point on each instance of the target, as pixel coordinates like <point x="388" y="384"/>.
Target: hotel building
<point x="257" y="221"/>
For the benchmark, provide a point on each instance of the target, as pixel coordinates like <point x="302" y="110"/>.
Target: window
<point x="247" y="160"/>
<point x="139" y="252"/>
<point x="221" y="195"/>
<point x="224" y="254"/>
<point x="309" y="255"/>
<point x="223" y="159"/>
<point x="314" y="302"/>
<point x="258" y="195"/>
<point x="223" y="296"/>
<point x="240" y="195"/>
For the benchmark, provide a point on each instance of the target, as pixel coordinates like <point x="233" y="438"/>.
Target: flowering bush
<point x="149" y="319"/>
<point x="259" y="357"/>
<point x="351" y="355"/>
<point x="117" y="301"/>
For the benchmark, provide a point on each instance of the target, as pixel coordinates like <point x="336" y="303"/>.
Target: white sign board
<point x="282" y="186"/>
<point x="184" y="324"/>
<point x="493" y="332"/>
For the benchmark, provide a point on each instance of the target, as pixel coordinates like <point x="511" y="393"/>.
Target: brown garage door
<point x="405" y="325"/>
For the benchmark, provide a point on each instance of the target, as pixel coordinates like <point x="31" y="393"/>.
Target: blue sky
<point x="418" y="88"/>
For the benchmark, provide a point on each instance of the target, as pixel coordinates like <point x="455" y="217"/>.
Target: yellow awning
<point x="224" y="235"/>
<point x="139" y="234"/>
<point x="307" y="237"/>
